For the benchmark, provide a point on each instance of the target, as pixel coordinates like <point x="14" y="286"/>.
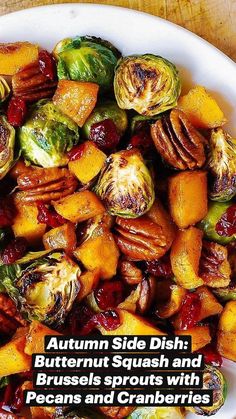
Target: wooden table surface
<point x="214" y="20"/>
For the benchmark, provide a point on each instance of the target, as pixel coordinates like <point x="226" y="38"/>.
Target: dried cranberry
<point x="47" y="64"/>
<point x="78" y="317"/>
<point x="16" y="111"/>
<point x="109" y="295"/>
<point x="104" y="134"/>
<point x="49" y="216"/>
<point x="211" y="356"/>
<point x="15" y="250"/>
<point x="226" y="226"/>
<point x="190" y="311"/>
<point x="143" y="141"/>
<point x="76" y="152"/>
<point x="8" y="397"/>
<point x="110" y="320"/>
<point x="18" y="400"/>
<point x="7" y="212"/>
<point x="160" y="267"/>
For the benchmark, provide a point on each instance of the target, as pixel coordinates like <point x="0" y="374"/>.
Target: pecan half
<point x="178" y="142"/>
<point x="31" y="84"/>
<point x="147" y="294"/>
<point x="39" y="184"/>
<point x="116" y="412"/>
<point x="214" y="266"/>
<point x="10" y="318"/>
<point x="129" y="272"/>
<point x="140" y="238"/>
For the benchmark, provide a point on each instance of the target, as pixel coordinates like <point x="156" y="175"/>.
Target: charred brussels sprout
<point x="214" y="380"/>
<point x="125" y="185"/>
<point x="209" y="224"/>
<point x="107" y="110"/>
<point x="149" y="84"/>
<point x="82" y="413"/>
<point x="87" y="58"/>
<point x="43" y="287"/>
<point x="157" y="413"/>
<point x="222" y="165"/>
<point x="7" y="144"/>
<point x="4" y="90"/>
<point x="226" y="293"/>
<point x="47" y="135"/>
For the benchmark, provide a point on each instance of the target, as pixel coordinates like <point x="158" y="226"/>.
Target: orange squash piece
<point x="89" y="164"/>
<point x="62" y="237"/>
<point x="35" y="337"/>
<point x="13" y="359"/>
<point x="188" y="197"/>
<point x="16" y="55"/>
<point x="76" y="99"/>
<point x="25" y="223"/>
<point x="200" y="336"/>
<point x="101" y="253"/>
<point x="79" y="207"/>
<point x="226" y="337"/>
<point x="201" y="108"/>
<point x="185" y="256"/>
<point x="88" y="281"/>
<point x="209" y="304"/>
<point x="131" y="324"/>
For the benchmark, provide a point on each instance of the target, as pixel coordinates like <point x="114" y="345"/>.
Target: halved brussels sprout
<point x="106" y="110"/>
<point x="43" y="287"/>
<point x="4" y="90"/>
<point x="222" y="165"/>
<point x="147" y="83"/>
<point x="215" y="211"/>
<point x="226" y="293"/>
<point x="47" y="135"/>
<point x="87" y="58"/>
<point x="157" y="413"/>
<point x="7" y="144"/>
<point x="125" y="185"/>
<point x="213" y="379"/>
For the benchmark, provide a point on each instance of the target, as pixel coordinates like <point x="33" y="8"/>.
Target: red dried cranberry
<point x="109" y="295"/>
<point x="7" y="212"/>
<point x="190" y="311"/>
<point x="160" y="267"/>
<point x="110" y="320"/>
<point x="15" y="250"/>
<point x="211" y="356"/>
<point x="104" y="134"/>
<point x="47" y="64"/>
<point x="49" y="216"/>
<point x="143" y="141"/>
<point x="16" y="112"/>
<point x="226" y="226"/>
<point x="18" y="400"/>
<point x="78" y="317"/>
<point x="7" y="397"/>
<point x="76" y="152"/>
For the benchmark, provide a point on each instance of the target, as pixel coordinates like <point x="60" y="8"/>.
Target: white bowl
<point x="136" y="32"/>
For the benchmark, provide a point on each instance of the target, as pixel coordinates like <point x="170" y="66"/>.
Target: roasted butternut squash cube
<point x="76" y="99"/>
<point x="201" y="108"/>
<point x="89" y="164"/>
<point x="25" y="223"/>
<point x="185" y="256"/>
<point x="131" y="324"/>
<point x="100" y="253"/>
<point x="35" y="337"/>
<point x="13" y="359"/>
<point x="200" y="336"/>
<point x="62" y="237"/>
<point x="226" y="337"/>
<point x="227" y="321"/>
<point x="88" y="281"/>
<point x="188" y="197"/>
<point x="79" y="207"/>
<point x="16" y="55"/>
<point x="209" y="304"/>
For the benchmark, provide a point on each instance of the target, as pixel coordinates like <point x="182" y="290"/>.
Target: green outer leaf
<point x="47" y="135"/>
<point x="4" y="381"/>
<point x="7" y="154"/>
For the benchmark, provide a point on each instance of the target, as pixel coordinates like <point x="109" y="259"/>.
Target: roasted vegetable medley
<point x="117" y="212"/>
